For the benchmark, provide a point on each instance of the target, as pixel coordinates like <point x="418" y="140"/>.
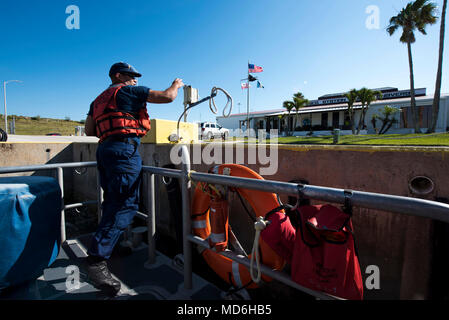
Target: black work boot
<point x="100" y="277"/>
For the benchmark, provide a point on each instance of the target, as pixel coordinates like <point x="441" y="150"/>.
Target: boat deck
<point x="162" y="280"/>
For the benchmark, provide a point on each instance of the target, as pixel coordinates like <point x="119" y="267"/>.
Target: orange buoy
<point x="262" y="202"/>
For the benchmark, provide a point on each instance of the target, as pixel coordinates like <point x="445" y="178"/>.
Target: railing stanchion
<point x="151" y="219"/>
<point x="99" y="196"/>
<point x="186" y="224"/>
<point x="60" y="174"/>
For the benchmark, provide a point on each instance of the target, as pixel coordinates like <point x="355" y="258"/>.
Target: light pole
<point x="4" y="94"/>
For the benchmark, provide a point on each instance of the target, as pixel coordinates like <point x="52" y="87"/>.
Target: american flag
<point x="252" y="68"/>
<point x="245" y="85"/>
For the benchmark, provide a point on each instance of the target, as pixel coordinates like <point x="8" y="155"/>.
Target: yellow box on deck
<point x="162" y="129"/>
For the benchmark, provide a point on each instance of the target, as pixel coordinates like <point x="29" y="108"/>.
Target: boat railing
<point x="397" y="204"/>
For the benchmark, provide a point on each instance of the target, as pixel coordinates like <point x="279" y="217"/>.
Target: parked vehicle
<point x="209" y="130"/>
<point x="3" y="136"/>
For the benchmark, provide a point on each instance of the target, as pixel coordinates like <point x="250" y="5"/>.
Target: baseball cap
<point x="122" y="67"/>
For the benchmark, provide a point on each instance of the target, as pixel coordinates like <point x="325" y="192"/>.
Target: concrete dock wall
<point x="401" y="246"/>
<point x="24" y="154"/>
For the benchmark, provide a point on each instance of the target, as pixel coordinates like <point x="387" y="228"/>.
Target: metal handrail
<point x="370" y="200"/>
<point x="48" y="166"/>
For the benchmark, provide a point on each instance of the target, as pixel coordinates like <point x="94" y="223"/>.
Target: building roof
<point x="333" y="107"/>
<point x="332" y="95"/>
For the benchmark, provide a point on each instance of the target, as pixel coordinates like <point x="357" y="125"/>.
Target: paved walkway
<point x="25" y="138"/>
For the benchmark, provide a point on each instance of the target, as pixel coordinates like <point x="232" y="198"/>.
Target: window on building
<point x="335" y="119"/>
<point x="347" y="121"/>
<point x="324" y="118"/>
<point x="424" y="117"/>
<point x="404" y="121"/>
<point x="275" y="123"/>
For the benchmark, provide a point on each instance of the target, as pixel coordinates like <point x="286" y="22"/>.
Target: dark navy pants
<point x="120" y="168"/>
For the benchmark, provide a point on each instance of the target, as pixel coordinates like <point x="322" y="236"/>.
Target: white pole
<point x="247" y="106"/>
<point x="4" y="94"/>
<point x="6" y="115"/>
<point x="186" y="185"/>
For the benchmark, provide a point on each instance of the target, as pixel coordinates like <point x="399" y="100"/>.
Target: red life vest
<point x="110" y="121"/>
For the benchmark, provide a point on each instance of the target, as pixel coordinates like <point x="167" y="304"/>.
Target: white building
<point x="329" y="112"/>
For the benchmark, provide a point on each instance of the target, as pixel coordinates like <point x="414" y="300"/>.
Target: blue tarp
<point x="30" y="219"/>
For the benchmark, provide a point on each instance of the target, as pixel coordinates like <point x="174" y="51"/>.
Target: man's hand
<point x="178" y="83"/>
<point x="166" y="96"/>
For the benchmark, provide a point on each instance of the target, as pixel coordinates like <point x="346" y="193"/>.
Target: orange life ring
<point x="262" y="202"/>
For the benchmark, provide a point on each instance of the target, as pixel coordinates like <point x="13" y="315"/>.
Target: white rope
<point x="259" y="225"/>
<point x="212" y="101"/>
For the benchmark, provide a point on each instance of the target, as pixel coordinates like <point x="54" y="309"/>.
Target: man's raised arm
<point x="166" y="96"/>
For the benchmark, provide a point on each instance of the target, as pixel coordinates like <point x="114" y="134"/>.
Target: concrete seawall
<point x="405" y="248"/>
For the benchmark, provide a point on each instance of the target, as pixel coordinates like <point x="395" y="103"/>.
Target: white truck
<point x="209" y="130"/>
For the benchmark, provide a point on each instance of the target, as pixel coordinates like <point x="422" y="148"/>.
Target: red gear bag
<point x="324" y="255"/>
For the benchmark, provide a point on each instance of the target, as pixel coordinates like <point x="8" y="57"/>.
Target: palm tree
<point x="281" y="118"/>
<point x="374" y="121"/>
<point x="436" y="97"/>
<point x="415" y="16"/>
<point x="352" y="97"/>
<point x="388" y="118"/>
<point x="299" y="102"/>
<point x="367" y="96"/>
<point x="289" y="106"/>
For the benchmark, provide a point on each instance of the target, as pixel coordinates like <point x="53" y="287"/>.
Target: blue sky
<point x="316" y="47"/>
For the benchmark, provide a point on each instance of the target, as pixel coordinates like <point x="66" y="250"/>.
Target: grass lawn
<point x="436" y="139"/>
<point x="42" y="126"/>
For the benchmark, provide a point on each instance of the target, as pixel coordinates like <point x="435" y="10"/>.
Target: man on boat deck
<point x="119" y="117"/>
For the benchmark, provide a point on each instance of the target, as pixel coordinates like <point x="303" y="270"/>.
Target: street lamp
<point x="4" y="94"/>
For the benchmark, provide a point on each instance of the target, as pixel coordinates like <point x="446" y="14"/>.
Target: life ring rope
<point x="259" y="225"/>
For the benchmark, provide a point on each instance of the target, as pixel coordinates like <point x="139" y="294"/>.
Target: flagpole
<point x="247" y="105"/>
